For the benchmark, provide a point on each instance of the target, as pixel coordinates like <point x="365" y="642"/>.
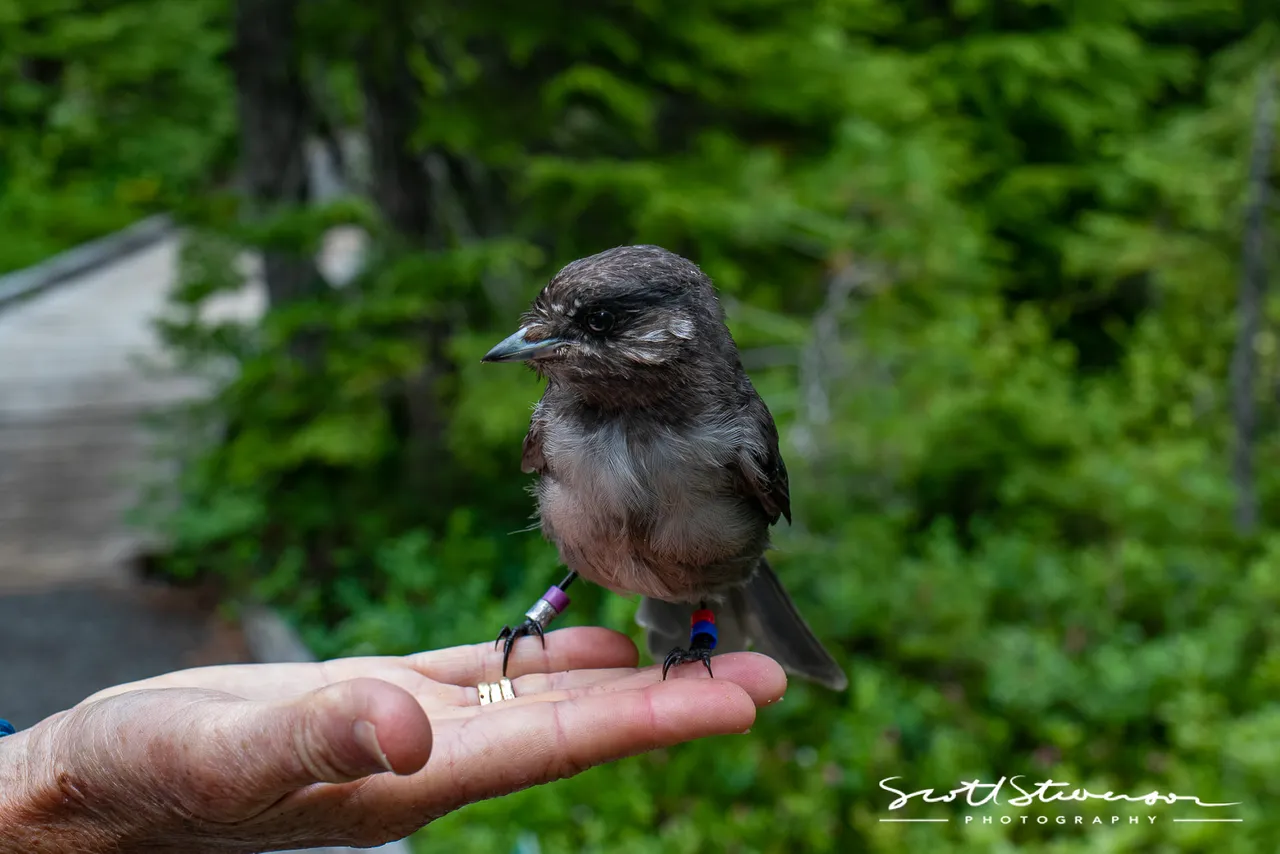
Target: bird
<point x="658" y="462"/>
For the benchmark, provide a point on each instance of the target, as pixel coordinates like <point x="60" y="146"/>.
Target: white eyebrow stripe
<point x="682" y="328"/>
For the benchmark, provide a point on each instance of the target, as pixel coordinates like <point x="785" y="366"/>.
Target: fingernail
<point x="367" y="737"/>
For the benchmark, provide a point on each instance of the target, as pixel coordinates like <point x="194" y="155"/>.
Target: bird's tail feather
<point x="758" y="615"/>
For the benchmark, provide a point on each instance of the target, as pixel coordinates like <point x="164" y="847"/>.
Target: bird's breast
<point x="651" y="511"/>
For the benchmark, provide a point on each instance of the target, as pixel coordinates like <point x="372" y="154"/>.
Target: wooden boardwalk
<point x="73" y="393"/>
<point x="78" y="375"/>
<point x="76" y="382"/>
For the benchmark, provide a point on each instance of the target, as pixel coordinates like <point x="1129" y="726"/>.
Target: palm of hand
<point x="251" y="757"/>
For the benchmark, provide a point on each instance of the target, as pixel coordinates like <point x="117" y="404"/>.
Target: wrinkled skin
<point x="349" y="752"/>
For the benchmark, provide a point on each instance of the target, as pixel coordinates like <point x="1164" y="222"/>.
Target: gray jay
<point x="658" y="462"/>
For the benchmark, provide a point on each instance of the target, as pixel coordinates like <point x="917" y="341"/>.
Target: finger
<point x="519" y="746"/>
<point x="250" y="681"/>
<point x="759" y="675"/>
<point x="566" y="649"/>
<point x="537" y="685"/>
<point x="511" y="749"/>
<point x="338" y="733"/>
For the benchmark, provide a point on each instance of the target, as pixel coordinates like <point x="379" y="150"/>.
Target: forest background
<point x="998" y="268"/>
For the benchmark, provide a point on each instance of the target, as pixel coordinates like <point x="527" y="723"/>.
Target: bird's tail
<point x="759" y="615"/>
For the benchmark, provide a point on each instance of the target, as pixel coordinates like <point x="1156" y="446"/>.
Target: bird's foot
<point x="702" y="640"/>
<point x="684" y="656"/>
<point x="507" y="637"/>
<point x="537" y="618"/>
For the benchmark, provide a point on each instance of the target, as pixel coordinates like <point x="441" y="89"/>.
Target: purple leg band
<point x="556" y="598"/>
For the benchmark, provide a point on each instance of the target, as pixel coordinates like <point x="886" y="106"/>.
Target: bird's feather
<point x="761" y="467"/>
<point x="532" y="459"/>
<point x="758" y="615"/>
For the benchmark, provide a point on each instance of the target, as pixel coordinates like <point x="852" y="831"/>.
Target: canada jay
<point x="658" y="463"/>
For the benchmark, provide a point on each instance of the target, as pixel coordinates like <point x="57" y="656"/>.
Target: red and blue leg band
<point x="702" y="633"/>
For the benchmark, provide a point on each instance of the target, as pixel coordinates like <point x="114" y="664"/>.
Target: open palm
<point x="363" y="750"/>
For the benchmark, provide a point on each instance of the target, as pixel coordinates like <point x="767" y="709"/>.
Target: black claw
<point x="528" y="627"/>
<point x="684" y="656"/>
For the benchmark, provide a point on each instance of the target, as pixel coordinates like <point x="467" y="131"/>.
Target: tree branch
<point x="1253" y="276"/>
<point x="818" y="360"/>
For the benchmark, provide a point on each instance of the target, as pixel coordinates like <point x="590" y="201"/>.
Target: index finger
<point x="524" y="745"/>
<point x="580" y="647"/>
<point x="512" y="749"/>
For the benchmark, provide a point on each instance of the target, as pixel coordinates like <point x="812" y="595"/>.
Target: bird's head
<point x="634" y="314"/>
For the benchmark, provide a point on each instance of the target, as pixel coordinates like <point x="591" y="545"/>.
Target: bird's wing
<point x="760" y="464"/>
<point x="531" y="457"/>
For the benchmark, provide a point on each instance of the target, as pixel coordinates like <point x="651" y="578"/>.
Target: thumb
<point x="336" y="734"/>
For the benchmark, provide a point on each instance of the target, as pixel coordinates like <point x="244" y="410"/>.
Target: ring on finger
<point x="496" y="692"/>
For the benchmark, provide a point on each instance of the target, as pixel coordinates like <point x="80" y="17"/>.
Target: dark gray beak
<point x="518" y="349"/>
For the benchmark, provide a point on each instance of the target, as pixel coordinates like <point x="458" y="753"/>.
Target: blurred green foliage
<point x="108" y="111"/>
<point x="1010" y="469"/>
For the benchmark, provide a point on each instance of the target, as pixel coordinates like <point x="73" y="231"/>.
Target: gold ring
<point x="496" y="692"/>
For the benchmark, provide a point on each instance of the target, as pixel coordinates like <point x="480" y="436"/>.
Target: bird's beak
<point x="517" y="348"/>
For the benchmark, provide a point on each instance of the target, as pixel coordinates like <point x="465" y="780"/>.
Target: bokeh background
<point x="998" y="268"/>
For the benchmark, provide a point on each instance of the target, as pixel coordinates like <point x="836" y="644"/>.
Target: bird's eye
<point x="600" y="321"/>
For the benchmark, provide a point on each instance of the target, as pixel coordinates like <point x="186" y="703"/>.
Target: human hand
<point x="357" y="751"/>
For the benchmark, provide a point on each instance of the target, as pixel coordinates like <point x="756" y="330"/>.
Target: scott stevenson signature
<point x="1045" y="792"/>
